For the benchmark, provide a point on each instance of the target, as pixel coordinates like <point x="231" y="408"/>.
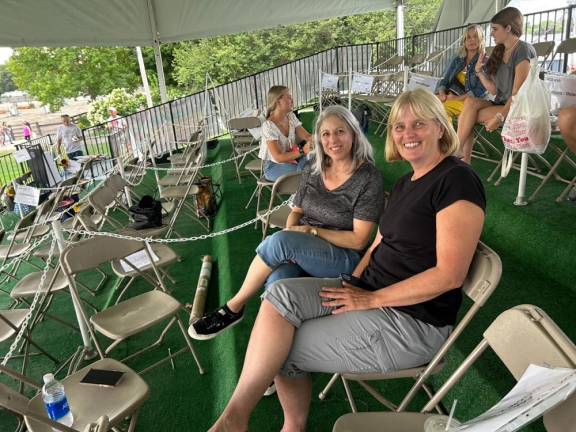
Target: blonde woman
<point x="281" y="132"/>
<point x="460" y="79"/>
<point x="411" y="277"/>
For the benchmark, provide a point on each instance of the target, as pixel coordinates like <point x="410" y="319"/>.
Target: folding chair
<point x="284" y="185"/>
<point x="88" y="403"/>
<point x="481" y="281"/>
<point x="132" y="316"/>
<point x="243" y="142"/>
<point x="543" y="50"/>
<point x="519" y="337"/>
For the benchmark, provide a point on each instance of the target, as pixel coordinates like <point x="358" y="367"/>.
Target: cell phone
<point x="354" y="281"/>
<point x="103" y="377"/>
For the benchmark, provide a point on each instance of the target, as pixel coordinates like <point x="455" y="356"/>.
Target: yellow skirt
<point x="453" y="107"/>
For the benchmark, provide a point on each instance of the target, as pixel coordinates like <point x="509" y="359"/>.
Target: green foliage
<point x="82" y="122"/>
<point x="125" y="102"/>
<point x="231" y="57"/>
<point x="53" y="74"/>
<point x="6" y="83"/>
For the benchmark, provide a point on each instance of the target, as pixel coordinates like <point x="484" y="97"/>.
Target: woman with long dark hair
<point x="503" y="75"/>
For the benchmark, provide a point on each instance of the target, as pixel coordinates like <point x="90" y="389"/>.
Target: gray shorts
<point x="372" y="341"/>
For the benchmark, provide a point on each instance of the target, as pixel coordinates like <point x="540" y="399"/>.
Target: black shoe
<point x="212" y="324"/>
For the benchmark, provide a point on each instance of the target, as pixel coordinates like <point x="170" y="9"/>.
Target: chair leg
<point x="189" y="343"/>
<point x="349" y="395"/>
<point x="326" y="389"/>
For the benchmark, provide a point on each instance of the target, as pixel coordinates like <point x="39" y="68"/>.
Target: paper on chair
<point x="329" y="81"/>
<point x="362" y="83"/>
<point x="138" y="259"/>
<point x="27" y="195"/>
<point x="537" y="391"/>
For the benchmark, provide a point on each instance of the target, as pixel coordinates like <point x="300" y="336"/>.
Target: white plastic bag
<point x="527" y="126"/>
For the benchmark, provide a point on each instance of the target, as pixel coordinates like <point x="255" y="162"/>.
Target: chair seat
<point x="381" y="422"/>
<point x="402" y="373"/>
<point x="177" y="192"/>
<point x="38" y="231"/>
<point x="15" y="317"/>
<point x="165" y="254"/>
<point x="278" y="218"/>
<point x="173" y="180"/>
<point x="28" y="285"/>
<point x="89" y="402"/>
<point x="14" y="251"/>
<point x="135" y="314"/>
<point x="144" y="233"/>
<point x="253" y="165"/>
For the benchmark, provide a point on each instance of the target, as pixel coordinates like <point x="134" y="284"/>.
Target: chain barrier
<point x="221" y="162"/>
<point x="37" y="295"/>
<point x="180" y="240"/>
<point x="13" y="261"/>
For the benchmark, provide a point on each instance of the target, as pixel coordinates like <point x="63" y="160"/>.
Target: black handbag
<point x="146" y="214"/>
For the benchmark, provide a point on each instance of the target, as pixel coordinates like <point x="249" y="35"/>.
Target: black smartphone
<point x="102" y="377"/>
<point x="357" y="282"/>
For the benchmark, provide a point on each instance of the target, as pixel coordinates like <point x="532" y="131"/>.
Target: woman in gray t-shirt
<point x="335" y="210"/>
<point x="503" y="75"/>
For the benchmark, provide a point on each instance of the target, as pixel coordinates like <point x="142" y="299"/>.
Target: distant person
<point x="27" y="131"/>
<point x="281" y="133"/>
<point x="117" y="127"/>
<point x="71" y="136"/>
<point x="116" y="123"/>
<point x="5" y="138"/>
<point x="460" y="79"/>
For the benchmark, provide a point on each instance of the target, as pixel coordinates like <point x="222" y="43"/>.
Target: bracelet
<point x="500" y="117"/>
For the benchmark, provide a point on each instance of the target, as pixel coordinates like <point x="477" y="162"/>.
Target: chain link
<point x="221" y="162"/>
<point x="181" y="240"/>
<point x="37" y="295"/>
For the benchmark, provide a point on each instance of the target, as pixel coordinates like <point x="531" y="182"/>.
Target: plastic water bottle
<point x="55" y="401"/>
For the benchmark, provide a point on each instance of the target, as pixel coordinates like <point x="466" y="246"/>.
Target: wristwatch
<point x="314" y="232"/>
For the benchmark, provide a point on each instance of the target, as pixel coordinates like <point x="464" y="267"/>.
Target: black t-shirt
<point x="408" y="228"/>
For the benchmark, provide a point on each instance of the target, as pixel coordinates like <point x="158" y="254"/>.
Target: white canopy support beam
<point x="400" y="26"/>
<point x="144" y="77"/>
<point x="157" y="52"/>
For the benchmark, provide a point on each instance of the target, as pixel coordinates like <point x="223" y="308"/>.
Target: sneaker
<point x="270" y="390"/>
<point x="213" y="323"/>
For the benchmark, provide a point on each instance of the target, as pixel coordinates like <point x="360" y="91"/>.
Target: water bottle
<point x="55" y="401"/>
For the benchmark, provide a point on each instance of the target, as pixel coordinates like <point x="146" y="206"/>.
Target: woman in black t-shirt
<point x="412" y="276"/>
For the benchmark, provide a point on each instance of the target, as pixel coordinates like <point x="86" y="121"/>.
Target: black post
<point x="568" y="31"/>
<point x="255" y="92"/>
<point x="173" y="126"/>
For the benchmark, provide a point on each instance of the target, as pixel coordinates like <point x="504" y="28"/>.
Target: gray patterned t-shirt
<point x="506" y="72"/>
<point x="360" y="197"/>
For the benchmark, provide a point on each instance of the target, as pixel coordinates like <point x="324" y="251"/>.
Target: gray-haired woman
<point x="335" y="210"/>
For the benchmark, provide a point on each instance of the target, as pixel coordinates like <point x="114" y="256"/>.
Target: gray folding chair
<point x="481" y="281"/>
<point x="132" y="316"/>
<point x="242" y="140"/>
<point x="88" y="403"/>
<point x="284" y="186"/>
<point x="519" y="337"/>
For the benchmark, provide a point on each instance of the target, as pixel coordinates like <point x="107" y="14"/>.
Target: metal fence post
<point x="173" y="124"/>
<point x="568" y="31"/>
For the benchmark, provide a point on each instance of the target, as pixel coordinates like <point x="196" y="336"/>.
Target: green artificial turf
<point x="536" y="244"/>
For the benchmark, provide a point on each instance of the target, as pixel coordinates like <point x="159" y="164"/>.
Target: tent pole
<point x="157" y="53"/>
<point x="400" y="26"/>
<point x="144" y="77"/>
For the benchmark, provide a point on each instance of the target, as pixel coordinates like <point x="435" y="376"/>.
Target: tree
<point x="53" y="74"/>
<point x="6" y="83"/>
<point x="124" y="102"/>
<point x="227" y="58"/>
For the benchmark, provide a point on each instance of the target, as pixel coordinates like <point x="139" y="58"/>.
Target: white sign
<point x="137" y="259"/>
<point x="21" y="155"/>
<point x="423" y="81"/>
<point x="537" y="391"/>
<point x="562" y="90"/>
<point x="27" y="195"/>
<point x="329" y="82"/>
<point x="362" y="83"/>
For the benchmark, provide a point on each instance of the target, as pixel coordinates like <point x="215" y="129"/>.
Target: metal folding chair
<point x="481" y="281"/>
<point x="519" y="337"/>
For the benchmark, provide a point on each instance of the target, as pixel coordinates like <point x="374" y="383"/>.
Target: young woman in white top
<point x="281" y="132"/>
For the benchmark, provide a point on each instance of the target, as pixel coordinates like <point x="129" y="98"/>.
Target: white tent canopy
<point x="143" y="22"/>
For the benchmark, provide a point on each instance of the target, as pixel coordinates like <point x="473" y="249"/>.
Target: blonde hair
<point x="481" y="40"/>
<point x="424" y="105"/>
<point x="361" y="148"/>
<point x="275" y="93"/>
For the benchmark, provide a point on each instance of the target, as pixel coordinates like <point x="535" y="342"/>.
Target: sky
<point x="526" y="6"/>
